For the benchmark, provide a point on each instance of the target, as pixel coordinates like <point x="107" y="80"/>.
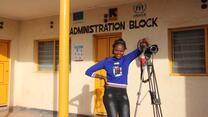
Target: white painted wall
<point x="181" y="96"/>
<point x="10" y="32"/>
<point x="39" y="89"/>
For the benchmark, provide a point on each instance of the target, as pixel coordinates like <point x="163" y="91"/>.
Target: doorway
<point x="4" y="71"/>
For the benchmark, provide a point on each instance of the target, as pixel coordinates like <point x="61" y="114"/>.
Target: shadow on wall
<point x="83" y="101"/>
<point x="196" y="97"/>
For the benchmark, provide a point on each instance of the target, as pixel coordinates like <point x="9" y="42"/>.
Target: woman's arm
<point x="91" y="71"/>
<point x="132" y="55"/>
<point x="141" y="44"/>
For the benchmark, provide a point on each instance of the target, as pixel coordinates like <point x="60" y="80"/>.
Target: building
<point x="179" y="28"/>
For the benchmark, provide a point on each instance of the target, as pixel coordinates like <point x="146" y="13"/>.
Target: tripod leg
<point x="139" y="93"/>
<point x="157" y="111"/>
<point x="154" y="92"/>
<point x="137" y="104"/>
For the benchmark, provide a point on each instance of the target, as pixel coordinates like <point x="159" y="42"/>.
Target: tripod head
<point x="147" y="54"/>
<point x="150" y="50"/>
<point x="147" y="49"/>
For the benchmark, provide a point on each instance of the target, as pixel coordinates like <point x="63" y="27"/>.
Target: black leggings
<point x="116" y="102"/>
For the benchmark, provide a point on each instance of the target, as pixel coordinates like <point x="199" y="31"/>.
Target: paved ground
<point x="22" y="112"/>
<point x="27" y="112"/>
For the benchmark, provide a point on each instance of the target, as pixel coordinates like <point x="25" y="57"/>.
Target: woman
<point x="115" y="96"/>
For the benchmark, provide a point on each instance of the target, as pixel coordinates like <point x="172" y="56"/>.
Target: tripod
<point x="147" y="62"/>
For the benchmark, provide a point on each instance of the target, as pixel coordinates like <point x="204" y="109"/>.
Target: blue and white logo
<point x="117" y="69"/>
<point x="139" y="9"/>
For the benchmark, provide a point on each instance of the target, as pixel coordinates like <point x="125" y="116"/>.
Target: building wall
<point x="10" y="31"/>
<point x="183" y="96"/>
<point x="38" y="88"/>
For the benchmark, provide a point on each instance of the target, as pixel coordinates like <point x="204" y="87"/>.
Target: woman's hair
<point x="119" y="41"/>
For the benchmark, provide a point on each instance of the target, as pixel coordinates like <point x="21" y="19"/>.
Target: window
<point x="47" y="55"/>
<point x="78" y="16"/>
<point x="188" y="51"/>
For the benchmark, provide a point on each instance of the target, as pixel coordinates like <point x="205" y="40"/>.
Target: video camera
<point x="152" y="49"/>
<point x="146" y="48"/>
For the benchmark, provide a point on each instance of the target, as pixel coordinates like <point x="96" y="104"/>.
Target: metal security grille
<point x="48" y="55"/>
<point x="188" y="51"/>
<point x="45" y="55"/>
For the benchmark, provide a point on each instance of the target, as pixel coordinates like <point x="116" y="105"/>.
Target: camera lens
<point x="154" y="48"/>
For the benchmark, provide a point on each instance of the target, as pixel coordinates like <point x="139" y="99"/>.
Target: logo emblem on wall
<point x="204" y="4"/>
<point x="1" y="25"/>
<point x="112" y="15"/>
<point x="139" y="9"/>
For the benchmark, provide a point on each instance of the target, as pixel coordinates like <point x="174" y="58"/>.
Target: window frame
<point x="54" y="54"/>
<point x="170" y="49"/>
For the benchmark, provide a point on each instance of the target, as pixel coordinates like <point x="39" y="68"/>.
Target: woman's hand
<point x="142" y="43"/>
<point x="101" y="77"/>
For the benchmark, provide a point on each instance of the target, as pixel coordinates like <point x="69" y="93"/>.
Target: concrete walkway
<point x="23" y="112"/>
<point x="30" y="112"/>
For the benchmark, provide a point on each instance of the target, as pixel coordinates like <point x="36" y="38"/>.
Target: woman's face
<point x="118" y="51"/>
